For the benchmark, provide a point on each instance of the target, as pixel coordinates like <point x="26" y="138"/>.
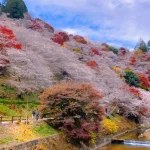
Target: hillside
<point x="41" y="59"/>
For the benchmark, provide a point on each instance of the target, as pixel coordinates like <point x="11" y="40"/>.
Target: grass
<point x="6" y="140"/>
<point x="43" y="129"/>
<point x="14" y="102"/>
<point x="8" y="112"/>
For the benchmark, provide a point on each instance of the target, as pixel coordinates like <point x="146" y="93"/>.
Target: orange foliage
<point x="144" y="81"/>
<point x="135" y="91"/>
<point x="92" y="64"/>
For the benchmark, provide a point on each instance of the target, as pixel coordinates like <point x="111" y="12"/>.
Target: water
<point x="123" y="147"/>
<point x="135" y="135"/>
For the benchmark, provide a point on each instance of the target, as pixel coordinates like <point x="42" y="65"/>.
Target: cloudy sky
<point x="117" y="22"/>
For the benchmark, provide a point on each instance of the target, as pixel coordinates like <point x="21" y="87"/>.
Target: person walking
<point x="37" y="113"/>
<point x="33" y="114"/>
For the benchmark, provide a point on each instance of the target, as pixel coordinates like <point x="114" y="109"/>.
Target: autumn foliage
<point x="135" y="91"/>
<point x="8" y="39"/>
<point x="64" y="36"/>
<point x="92" y="64"/>
<point x="58" y="39"/>
<point x="132" y="60"/>
<point x="75" y="108"/>
<point x="144" y="81"/>
<point x="95" y="51"/>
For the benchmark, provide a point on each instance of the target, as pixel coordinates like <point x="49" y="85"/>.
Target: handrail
<point x="12" y="118"/>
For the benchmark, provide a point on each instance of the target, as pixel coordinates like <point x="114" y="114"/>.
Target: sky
<point x="116" y="22"/>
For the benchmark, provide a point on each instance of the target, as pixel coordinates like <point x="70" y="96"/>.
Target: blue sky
<point x="117" y="22"/>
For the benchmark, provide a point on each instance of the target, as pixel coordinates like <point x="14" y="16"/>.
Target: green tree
<point x="141" y="45"/>
<point x="131" y="78"/>
<point x="15" y="8"/>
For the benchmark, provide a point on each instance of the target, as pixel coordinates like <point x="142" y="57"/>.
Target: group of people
<point x="35" y="114"/>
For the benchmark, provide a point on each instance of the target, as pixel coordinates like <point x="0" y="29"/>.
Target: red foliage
<point x="58" y="39"/>
<point x="135" y="91"/>
<point x="64" y="36"/>
<point x="132" y="60"/>
<point x="131" y="89"/>
<point x="92" y="64"/>
<point x="144" y="81"/>
<point x="47" y="26"/>
<point x="95" y="51"/>
<point x="79" y="39"/>
<point x="8" y="39"/>
<point x="79" y="109"/>
<point x="105" y="50"/>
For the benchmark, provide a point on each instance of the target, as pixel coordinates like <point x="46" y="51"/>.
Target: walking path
<point x="30" y="120"/>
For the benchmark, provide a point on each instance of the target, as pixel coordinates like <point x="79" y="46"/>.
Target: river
<point x="135" y="135"/>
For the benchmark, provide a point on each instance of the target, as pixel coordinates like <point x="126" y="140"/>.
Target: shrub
<point x="110" y="126"/>
<point x="58" y="39"/>
<point x="64" y="36"/>
<point x="16" y="8"/>
<point x="77" y="50"/>
<point x="113" y="49"/>
<point x="132" y="60"/>
<point x="75" y="109"/>
<point x="131" y="78"/>
<point x="95" y="51"/>
<point x="144" y="81"/>
<point x="92" y="64"/>
<point x="79" y="39"/>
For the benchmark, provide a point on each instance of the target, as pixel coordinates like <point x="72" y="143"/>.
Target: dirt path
<point x="30" y="120"/>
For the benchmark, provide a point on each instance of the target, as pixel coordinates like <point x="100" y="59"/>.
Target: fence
<point x="13" y="118"/>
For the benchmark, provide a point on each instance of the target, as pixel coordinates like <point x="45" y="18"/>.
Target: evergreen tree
<point x="15" y="8"/>
<point x="141" y="45"/>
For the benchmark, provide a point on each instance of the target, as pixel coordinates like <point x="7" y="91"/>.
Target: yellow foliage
<point x="77" y="50"/>
<point x="118" y="71"/>
<point x="22" y="132"/>
<point x="93" y="138"/>
<point x="110" y="125"/>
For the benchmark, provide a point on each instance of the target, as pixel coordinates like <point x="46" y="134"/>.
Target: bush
<point x="75" y="109"/>
<point x="95" y="51"/>
<point x="131" y="78"/>
<point x="58" y="39"/>
<point x="113" y="49"/>
<point x="110" y="126"/>
<point x="92" y="64"/>
<point x="16" y="8"/>
<point x="77" y="50"/>
<point x="132" y="60"/>
<point x="144" y="81"/>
